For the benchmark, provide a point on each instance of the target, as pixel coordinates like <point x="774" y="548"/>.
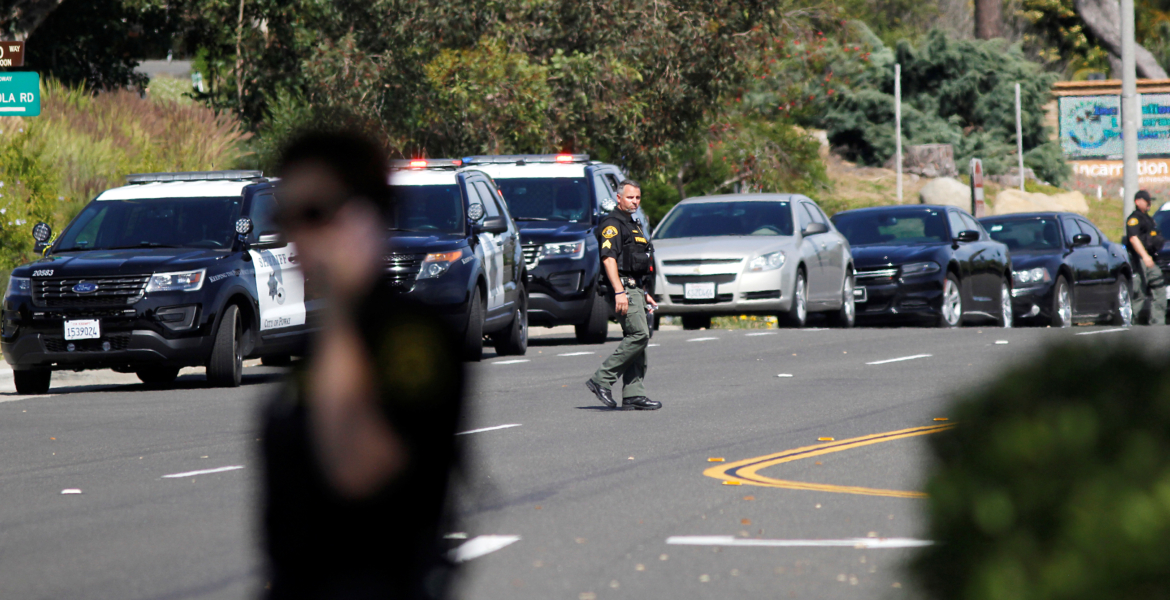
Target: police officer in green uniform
<point x="1143" y="241"/>
<point x="626" y="259"/>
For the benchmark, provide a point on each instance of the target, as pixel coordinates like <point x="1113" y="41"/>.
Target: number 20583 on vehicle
<point x="86" y="329"/>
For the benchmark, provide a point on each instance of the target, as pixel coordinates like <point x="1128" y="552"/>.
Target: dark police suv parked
<point x="171" y="270"/>
<point x="557" y="200"/>
<point x="454" y="246"/>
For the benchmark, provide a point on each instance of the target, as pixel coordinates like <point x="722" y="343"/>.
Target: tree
<point x="20" y="18"/>
<point x="988" y="19"/>
<point x="1103" y="19"/>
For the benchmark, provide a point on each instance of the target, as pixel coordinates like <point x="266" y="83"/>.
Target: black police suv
<point x="558" y="200"/>
<point x="453" y="246"/>
<point x="926" y="263"/>
<point x="169" y="271"/>
<point x="1064" y="269"/>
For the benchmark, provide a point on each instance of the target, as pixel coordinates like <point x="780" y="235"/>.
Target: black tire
<point x="1122" y="304"/>
<point x="692" y="322"/>
<point x="276" y="360"/>
<point x="846" y="316"/>
<point x="514" y="339"/>
<point x="797" y="316"/>
<point x="596" y="329"/>
<point x="33" y="381"/>
<point x="473" y="332"/>
<point x="949" y="319"/>
<point x="225" y="368"/>
<point x="157" y="375"/>
<point x="1061" y="316"/>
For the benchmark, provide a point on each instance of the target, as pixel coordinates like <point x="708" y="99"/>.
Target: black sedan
<point x="1064" y="269"/>
<point x="925" y="263"/>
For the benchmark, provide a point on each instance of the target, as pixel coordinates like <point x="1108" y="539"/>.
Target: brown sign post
<point x="11" y="54"/>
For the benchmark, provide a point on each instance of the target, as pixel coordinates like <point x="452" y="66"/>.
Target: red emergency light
<point x="564" y="158"/>
<point x="418" y="164"/>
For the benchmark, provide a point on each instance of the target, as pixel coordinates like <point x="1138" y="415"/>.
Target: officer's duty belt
<point x="631" y="282"/>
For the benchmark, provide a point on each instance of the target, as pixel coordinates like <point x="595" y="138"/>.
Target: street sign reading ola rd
<point x="20" y="94"/>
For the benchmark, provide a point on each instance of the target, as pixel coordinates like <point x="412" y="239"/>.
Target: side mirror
<point x="814" y="229"/>
<point x="493" y="225"/>
<point x="1081" y="239"/>
<point x="270" y="240"/>
<point x="969" y="235"/>
<point x="475" y="212"/>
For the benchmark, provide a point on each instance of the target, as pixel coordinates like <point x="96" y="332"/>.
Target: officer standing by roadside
<point x="1143" y="241"/>
<point x="626" y="259"/>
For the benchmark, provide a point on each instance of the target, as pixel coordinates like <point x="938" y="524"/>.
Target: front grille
<point x="87" y="313"/>
<point x="684" y="279"/>
<point x="681" y="299"/>
<point x="764" y="295"/>
<point x="402" y="270"/>
<point x="531" y="255"/>
<point x="695" y="262"/>
<point x="111" y="291"/>
<point x="875" y="274"/>
<point x="118" y="341"/>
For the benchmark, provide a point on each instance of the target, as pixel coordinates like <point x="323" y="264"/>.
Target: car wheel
<point x="1123" y="312"/>
<point x="1061" y="304"/>
<point x="1005" y="306"/>
<point x="846" y="317"/>
<point x="276" y="360"/>
<point x="797" y="316"/>
<point x="952" y="303"/>
<point x="157" y="375"/>
<point x="225" y="368"/>
<point x="692" y="322"/>
<point x="514" y="339"/>
<point x="596" y="328"/>
<point x="32" y="381"/>
<point x="473" y="333"/>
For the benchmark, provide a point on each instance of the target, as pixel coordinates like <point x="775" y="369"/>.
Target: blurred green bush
<point x="1056" y="483"/>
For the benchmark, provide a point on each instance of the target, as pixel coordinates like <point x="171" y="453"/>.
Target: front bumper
<point x="560" y="291"/>
<point x="1033" y="302"/>
<point x="736" y="293"/>
<point x="897" y="299"/>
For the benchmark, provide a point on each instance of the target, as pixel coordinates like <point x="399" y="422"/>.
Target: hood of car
<point x="871" y="257"/>
<point x="547" y="232"/>
<point x="717" y="247"/>
<point x="133" y="261"/>
<point x="413" y="241"/>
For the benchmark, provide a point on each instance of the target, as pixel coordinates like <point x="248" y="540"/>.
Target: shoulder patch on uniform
<point x="633" y="231"/>
<point x="612" y="231"/>
<point x="640" y="240"/>
<point x="606" y="244"/>
<point x="1132" y="221"/>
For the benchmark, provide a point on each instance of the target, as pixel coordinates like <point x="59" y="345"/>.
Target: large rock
<point x="927" y="160"/>
<point x="947" y="192"/>
<point x="1011" y="201"/>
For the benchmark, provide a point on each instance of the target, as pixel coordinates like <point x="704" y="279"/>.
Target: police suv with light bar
<point x="170" y="271"/>
<point x="557" y="200"/>
<point x="454" y="246"/>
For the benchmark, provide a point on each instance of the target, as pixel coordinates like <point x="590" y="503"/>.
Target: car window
<point x="490" y="199"/>
<point x="613" y="180"/>
<point x="1070" y="228"/>
<point x="802" y="216"/>
<point x="262" y="214"/>
<point x="704" y="219"/>
<point x="1041" y="233"/>
<point x="428" y="208"/>
<point x="862" y="227"/>
<point x="547" y="198"/>
<point x="969" y="223"/>
<point x="814" y="215"/>
<point x="601" y="189"/>
<point x="819" y="214"/>
<point x="1088" y="229"/>
<point x="142" y="223"/>
<point x="956" y="222"/>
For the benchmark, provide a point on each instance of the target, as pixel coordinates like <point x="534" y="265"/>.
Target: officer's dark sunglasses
<point x="306" y="217"/>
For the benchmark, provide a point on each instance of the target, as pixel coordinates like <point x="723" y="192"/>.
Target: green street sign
<point x="20" y="94"/>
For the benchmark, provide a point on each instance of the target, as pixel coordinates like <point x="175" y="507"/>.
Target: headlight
<point x="564" y="250"/>
<point x="435" y="265"/>
<point x="767" y="262"/>
<point x="18" y="286"/>
<point x="183" y="281"/>
<point x="1031" y="276"/>
<point x="922" y="268"/>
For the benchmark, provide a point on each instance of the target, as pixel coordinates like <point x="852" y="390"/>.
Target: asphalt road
<point x="570" y="501"/>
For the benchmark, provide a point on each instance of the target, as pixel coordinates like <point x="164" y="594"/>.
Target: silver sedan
<point x="770" y="254"/>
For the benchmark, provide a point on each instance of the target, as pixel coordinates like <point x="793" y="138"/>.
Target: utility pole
<point x="898" y="126"/>
<point x="1020" y="137"/>
<point x="1130" y="111"/>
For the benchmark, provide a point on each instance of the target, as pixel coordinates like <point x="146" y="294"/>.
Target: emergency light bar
<point x="521" y="159"/>
<point x="194" y="176"/>
<point x="426" y="163"/>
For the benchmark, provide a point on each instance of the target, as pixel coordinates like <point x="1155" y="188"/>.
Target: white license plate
<point x="699" y="291"/>
<point x="88" y="329"/>
<point x="860" y="295"/>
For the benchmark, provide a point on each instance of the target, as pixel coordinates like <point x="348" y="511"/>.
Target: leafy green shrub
<point x="1056" y="483"/>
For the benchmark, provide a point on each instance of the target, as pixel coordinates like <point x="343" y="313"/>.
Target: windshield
<point x="901" y="227"/>
<point x="427" y="208"/>
<point x="153" y="223"/>
<point x="727" y="218"/>
<point x="1162" y="220"/>
<point x="547" y="199"/>
<point x="1027" y="234"/>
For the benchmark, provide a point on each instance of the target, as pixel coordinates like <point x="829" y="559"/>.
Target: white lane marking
<point x="70" y="491"/>
<point x="576" y="353"/>
<point x="202" y="472"/>
<point x="702" y="339"/>
<point x="882" y="362"/>
<point x="511" y="362"/>
<point x="489" y="429"/>
<point x="762" y="333"/>
<point x="481" y="545"/>
<point x="815" y="329"/>
<point x="784" y="375"/>
<point x="653" y="346"/>
<point x="1104" y="331"/>
<point x="1000" y="342"/>
<point x="727" y="540"/>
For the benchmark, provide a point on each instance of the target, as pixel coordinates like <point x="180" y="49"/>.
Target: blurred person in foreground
<point x="359" y="444"/>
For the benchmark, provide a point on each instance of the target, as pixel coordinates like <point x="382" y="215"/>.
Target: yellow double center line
<point x="747" y="471"/>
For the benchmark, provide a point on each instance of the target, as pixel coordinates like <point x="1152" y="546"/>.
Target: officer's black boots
<point x="603" y="394"/>
<point x="640" y="403"/>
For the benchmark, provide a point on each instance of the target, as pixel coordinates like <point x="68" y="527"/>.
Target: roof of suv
<point x="176" y="189"/>
<point x="532" y="170"/>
